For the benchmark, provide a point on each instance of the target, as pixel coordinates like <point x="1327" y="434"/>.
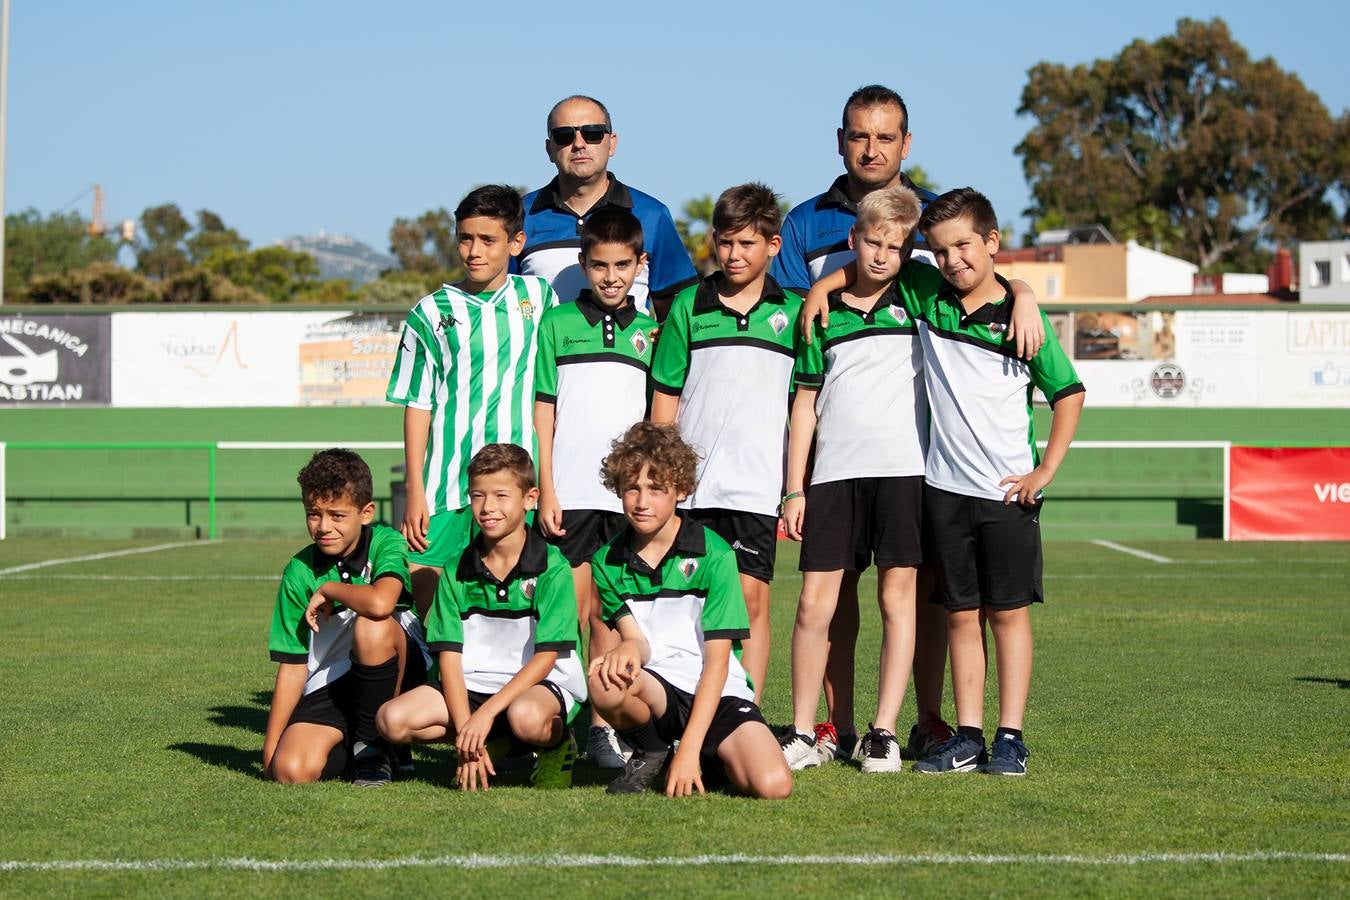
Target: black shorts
<point x="987" y="553"/>
<point x="334" y="704"/>
<point x="587" y="531"/>
<point x="500" y="726"/>
<point x="754" y="537"/>
<point x="851" y="521"/>
<point x="732" y="713"/>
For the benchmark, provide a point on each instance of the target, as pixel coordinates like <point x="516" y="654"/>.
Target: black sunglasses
<point x="564" y="135"/>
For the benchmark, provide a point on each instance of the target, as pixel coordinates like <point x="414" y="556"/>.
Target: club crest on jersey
<point x="639" y="342"/>
<point x="997" y="328"/>
<point x="527" y="587"/>
<point x="778" y="322"/>
<point x="526" y="308"/>
<point x="447" y="322"/>
<point x="899" y="313"/>
<point x="688" y="567"/>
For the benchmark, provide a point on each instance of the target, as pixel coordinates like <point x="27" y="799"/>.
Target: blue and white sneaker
<point x="959" y="754"/>
<point x="1008" y="756"/>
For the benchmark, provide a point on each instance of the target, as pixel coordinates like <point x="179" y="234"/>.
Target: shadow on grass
<point x="236" y="759"/>
<point x="1342" y="683"/>
<point x="253" y="718"/>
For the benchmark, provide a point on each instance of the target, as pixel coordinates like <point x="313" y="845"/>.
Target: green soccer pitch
<point x="1189" y="727"/>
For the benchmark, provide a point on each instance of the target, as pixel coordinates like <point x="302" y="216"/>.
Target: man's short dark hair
<point x="493" y="201"/>
<point x="495" y="458"/>
<point x="876" y="95"/>
<point x="548" y="123"/>
<point x="331" y="474"/>
<point x="752" y="205"/>
<point x="957" y="203"/>
<point x="612" y="225"/>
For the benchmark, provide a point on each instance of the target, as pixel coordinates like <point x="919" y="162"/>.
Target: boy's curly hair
<point x="669" y="460"/>
<point x="330" y="474"/>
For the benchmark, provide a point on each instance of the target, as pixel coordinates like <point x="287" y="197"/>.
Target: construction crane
<point x="98" y="227"/>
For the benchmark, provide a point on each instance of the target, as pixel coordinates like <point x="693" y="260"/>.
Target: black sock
<point x="1004" y="732"/>
<point x="970" y="731"/>
<point x="372" y="687"/>
<point x="644" y="738"/>
<point x="337" y="761"/>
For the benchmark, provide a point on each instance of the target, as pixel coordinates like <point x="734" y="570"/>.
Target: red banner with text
<point x="1289" y="494"/>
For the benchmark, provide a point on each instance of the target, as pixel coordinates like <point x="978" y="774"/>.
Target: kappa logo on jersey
<point x="447" y="322"/>
<point x="639" y="342"/>
<point x="899" y="313"/>
<point x="527" y="308"/>
<point x="688" y="567"/>
<point x="527" y="587"/>
<point x="778" y="322"/>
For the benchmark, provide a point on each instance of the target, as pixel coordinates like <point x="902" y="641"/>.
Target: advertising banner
<point x="346" y="359"/>
<point x="207" y="359"/>
<point x="1289" y="494"/>
<point x="1220" y="358"/>
<point x="54" y="360"/>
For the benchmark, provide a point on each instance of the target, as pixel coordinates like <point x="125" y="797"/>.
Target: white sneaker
<point x="880" y="751"/>
<point x="603" y="748"/>
<point x="799" y="750"/>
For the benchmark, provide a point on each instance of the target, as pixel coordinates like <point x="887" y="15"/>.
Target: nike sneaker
<point x="799" y="750"/>
<point x="959" y="754"/>
<point x="1008" y="756"/>
<point x="925" y="738"/>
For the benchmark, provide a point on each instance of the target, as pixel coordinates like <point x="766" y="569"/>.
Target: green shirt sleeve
<point x="555" y="599"/>
<point x="445" y="628"/>
<point x="724" y="614"/>
<point x="288" y="641"/>
<point x="670" y="365"/>
<point x="389" y="558"/>
<point x="612" y="607"/>
<point x="546" y="358"/>
<point x="1051" y="370"/>
<point x="918" y="285"/>
<point x="809" y="369"/>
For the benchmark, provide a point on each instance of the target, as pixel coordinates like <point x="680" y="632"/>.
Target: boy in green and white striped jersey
<point x="465" y="376"/>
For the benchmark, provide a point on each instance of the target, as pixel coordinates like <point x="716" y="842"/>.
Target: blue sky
<point x="290" y="117"/>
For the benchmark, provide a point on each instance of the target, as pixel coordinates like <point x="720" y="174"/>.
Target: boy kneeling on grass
<point x="671" y="589"/>
<point x="503" y="624"/>
<point x="343" y="633"/>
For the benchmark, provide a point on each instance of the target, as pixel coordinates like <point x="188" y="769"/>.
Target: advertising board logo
<point x="205" y="358"/>
<point x="31" y="356"/>
<point x="1167" y="381"/>
<point x="1330" y="375"/>
<point x="1331" y="492"/>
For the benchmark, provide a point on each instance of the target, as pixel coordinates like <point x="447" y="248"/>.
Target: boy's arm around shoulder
<point x="1028" y="322"/>
<point x="816" y="306"/>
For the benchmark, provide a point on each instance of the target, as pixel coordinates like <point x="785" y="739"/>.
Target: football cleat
<point x="603" y="748"/>
<point x="640" y="773"/>
<point x="553" y="768"/>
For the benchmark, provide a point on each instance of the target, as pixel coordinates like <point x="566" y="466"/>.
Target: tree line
<point x="1185" y="144"/>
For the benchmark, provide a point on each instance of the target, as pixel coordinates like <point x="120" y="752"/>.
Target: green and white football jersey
<point x="733" y="374"/>
<point x="498" y="625"/>
<point x="381" y="552"/>
<point x="469" y="359"/>
<point x="979" y="391"/>
<point x="872" y="409"/>
<point x="693" y="596"/>
<point x="592" y="367"/>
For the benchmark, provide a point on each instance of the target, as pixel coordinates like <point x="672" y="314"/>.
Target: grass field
<point x="1189" y="725"/>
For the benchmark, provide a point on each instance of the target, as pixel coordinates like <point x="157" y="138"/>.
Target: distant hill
<point x="341" y="256"/>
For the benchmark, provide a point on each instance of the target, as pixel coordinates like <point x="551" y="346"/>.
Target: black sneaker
<point x="926" y="738"/>
<point x="959" y="754"/>
<point x="1008" y="756"/>
<point x="372" y="765"/>
<point x="641" y="771"/>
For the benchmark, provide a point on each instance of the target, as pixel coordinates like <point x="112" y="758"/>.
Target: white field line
<point x="1142" y="554"/>
<point x="26" y="567"/>
<point x="477" y="861"/>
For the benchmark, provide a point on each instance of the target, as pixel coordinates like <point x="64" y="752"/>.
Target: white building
<point x="1324" y="272"/>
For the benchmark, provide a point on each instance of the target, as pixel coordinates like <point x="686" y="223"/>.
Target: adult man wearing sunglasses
<point x="580" y="141"/>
